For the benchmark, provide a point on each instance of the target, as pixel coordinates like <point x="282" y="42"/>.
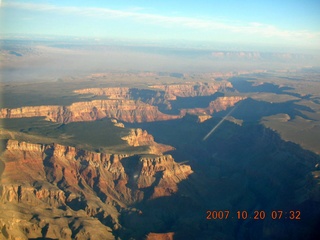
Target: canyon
<point x="80" y="183"/>
<point x="121" y="105"/>
<point x="134" y="164"/>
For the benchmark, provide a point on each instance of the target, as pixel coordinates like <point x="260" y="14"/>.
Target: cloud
<point x="249" y="29"/>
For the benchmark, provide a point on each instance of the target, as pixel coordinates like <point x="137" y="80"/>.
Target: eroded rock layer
<point x="124" y="110"/>
<point x="124" y="106"/>
<point x="75" y="185"/>
<point x="192" y="89"/>
<point x="220" y="104"/>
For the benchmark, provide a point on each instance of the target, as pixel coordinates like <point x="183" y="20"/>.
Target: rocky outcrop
<point x="160" y="236"/>
<point x="112" y="92"/>
<point x="203" y="117"/>
<point x="124" y="110"/>
<point x="138" y="137"/>
<point x="192" y="89"/>
<point x="16" y="193"/>
<point x="79" y="184"/>
<point x="122" y="105"/>
<point x="50" y="112"/>
<point x="56" y="163"/>
<point x="160" y="94"/>
<point x="165" y="171"/>
<point x="220" y="104"/>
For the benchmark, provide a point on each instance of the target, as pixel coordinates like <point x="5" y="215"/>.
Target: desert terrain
<point x="91" y="150"/>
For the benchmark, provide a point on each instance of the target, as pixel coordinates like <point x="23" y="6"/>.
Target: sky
<point x="275" y="24"/>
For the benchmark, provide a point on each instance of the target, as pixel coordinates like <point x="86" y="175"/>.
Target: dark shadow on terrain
<point x="193" y="102"/>
<point x="243" y="85"/>
<point x="75" y="230"/>
<point x="251" y="110"/>
<point x="48" y="165"/>
<point x="44" y="230"/>
<point x="131" y="167"/>
<point x="185" y="132"/>
<point x="156" y="98"/>
<point x="237" y="168"/>
<point x="77" y="204"/>
<point x="148" y="191"/>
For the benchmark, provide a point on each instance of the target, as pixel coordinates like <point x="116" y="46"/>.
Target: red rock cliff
<point x="124" y="110"/>
<point x="81" y="171"/>
<point x="220" y="104"/>
<point x="192" y="89"/>
<point x="112" y="92"/>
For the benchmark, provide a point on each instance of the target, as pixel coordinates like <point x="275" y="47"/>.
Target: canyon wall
<point x="192" y="89"/>
<point x="124" y="110"/>
<point x="171" y="91"/>
<point x="220" y="104"/>
<point x="138" y="137"/>
<point x="81" y="188"/>
<point x="112" y="92"/>
<point x="25" y="163"/>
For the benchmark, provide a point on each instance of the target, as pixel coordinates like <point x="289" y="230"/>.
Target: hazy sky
<point x="279" y="23"/>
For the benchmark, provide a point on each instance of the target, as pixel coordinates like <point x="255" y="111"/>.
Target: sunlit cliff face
<point x="121" y="107"/>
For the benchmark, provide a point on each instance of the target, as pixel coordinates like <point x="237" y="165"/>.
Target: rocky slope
<point x="138" y="137"/>
<point x="124" y="110"/>
<point x="192" y="89"/>
<point x="220" y="104"/>
<point x="80" y="188"/>
<point x="112" y="92"/>
<point x="161" y="95"/>
<point x="171" y="91"/>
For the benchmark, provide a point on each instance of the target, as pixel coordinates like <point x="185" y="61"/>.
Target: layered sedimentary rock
<point x="66" y="181"/>
<point x="27" y="162"/>
<point x="138" y="137"/>
<point x="122" y="105"/>
<point x="165" y="171"/>
<point x="112" y="92"/>
<point x="192" y="89"/>
<point x="220" y="104"/>
<point x="160" y="236"/>
<point x="203" y="117"/>
<point x="124" y="110"/>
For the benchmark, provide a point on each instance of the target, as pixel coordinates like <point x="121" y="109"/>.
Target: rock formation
<point x="220" y="104"/>
<point x="138" y="137"/>
<point x="123" y="104"/>
<point x="192" y="89"/>
<point x="112" y="92"/>
<point x="76" y="185"/>
<point x="124" y="110"/>
<point x="160" y="236"/>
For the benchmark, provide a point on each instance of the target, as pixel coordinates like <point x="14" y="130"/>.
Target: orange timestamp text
<point x="255" y="215"/>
